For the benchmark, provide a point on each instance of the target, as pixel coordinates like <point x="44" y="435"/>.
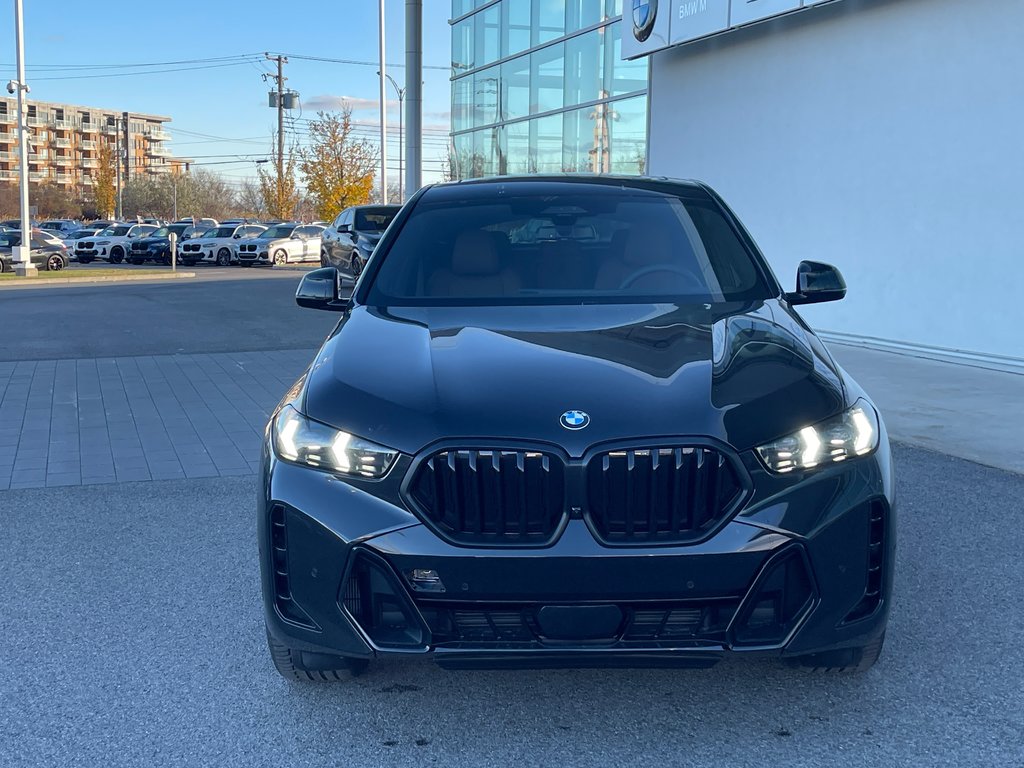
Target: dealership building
<point x="883" y="136"/>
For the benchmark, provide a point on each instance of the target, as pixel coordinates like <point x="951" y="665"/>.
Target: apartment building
<point x="65" y="141"/>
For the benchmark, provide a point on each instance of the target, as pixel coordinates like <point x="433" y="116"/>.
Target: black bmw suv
<point x="573" y="421"/>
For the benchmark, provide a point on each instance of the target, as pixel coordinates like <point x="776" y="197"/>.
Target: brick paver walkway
<point x="75" y="422"/>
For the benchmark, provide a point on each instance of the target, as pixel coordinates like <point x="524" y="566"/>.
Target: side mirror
<point x="324" y="289"/>
<point x="344" y="229"/>
<point x="237" y="237"/>
<point x="817" y="282"/>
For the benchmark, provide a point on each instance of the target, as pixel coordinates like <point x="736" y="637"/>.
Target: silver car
<point x="282" y="244"/>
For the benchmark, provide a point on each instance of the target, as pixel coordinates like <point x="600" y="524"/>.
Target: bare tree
<point x="280" y="192"/>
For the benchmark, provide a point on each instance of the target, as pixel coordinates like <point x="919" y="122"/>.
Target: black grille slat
<point x="671" y="495"/>
<point x="504" y="497"/>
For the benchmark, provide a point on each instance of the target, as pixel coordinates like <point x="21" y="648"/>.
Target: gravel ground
<point x="132" y="635"/>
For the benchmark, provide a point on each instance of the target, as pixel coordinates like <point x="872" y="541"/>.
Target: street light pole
<point x="23" y="265"/>
<point x="383" y="117"/>
<point x="401" y="100"/>
<point x="414" y="100"/>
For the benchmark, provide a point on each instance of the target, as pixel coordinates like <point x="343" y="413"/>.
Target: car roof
<point x="544" y="183"/>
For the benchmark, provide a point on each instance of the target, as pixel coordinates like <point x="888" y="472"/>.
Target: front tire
<point x="280" y="258"/>
<point x="116" y="255"/>
<point x="223" y="257"/>
<point x="289" y="664"/>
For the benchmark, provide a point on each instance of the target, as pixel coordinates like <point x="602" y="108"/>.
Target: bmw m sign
<point x="650" y="25"/>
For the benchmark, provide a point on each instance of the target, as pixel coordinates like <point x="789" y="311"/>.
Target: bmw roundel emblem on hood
<point x="574" y="420"/>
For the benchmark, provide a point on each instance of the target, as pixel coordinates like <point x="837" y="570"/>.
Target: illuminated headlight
<point x="852" y="433"/>
<point x="299" y="440"/>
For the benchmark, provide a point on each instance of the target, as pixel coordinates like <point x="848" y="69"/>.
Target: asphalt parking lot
<point x="132" y="634"/>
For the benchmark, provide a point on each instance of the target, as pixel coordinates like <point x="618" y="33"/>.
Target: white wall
<point x="884" y="136"/>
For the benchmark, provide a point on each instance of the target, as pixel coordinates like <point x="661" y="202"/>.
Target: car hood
<point x="740" y="373"/>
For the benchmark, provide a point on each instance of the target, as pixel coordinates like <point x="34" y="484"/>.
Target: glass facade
<point x="538" y="86"/>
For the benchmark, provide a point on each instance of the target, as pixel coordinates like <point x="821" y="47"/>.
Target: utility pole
<point x="23" y="266"/>
<point x="127" y="148"/>
<point x="117" y="165"/>
<point x="383" y="117"/>
<point x="401" y="99"/>
<point x="280" y="80"/>
<point x="414" y="102"/>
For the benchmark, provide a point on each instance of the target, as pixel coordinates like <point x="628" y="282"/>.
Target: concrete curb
<point x="31" y="282"/>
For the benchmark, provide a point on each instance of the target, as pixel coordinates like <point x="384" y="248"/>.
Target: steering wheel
<point x="654" y="268"/>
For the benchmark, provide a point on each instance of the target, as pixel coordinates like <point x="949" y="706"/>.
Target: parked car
<point x="62" y="227"/>
<point x="16" y="224"/>
<point x="207" y="223"/>
<point x="71" y="240"/>
<point x="48" y="253"/>
<point x="627" y="448"/>
<point x="112" y="243"/>
<point x="351" y="238"/>
<point x="218" y="244"/>
<point x="280" y="245"/>
<point x="157" y="245"/>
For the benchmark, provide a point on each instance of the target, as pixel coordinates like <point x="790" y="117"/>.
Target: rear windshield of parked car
<point x="615" y="245"/>
<point x="374" y="219"/>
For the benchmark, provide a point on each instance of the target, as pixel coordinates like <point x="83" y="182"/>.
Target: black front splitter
<point x="555" y="659"/>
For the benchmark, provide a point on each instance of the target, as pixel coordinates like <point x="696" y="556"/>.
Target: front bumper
<point x="351" y="573"/>
<point x="251" y="257"/>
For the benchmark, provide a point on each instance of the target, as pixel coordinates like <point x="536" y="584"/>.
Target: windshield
<point x="178" y="229"/>
<point x="52" y="225"/>
<point x="275" y="232"/>
<point x="10" y="239"/>
<point x="162" y="232"/>
<point x="611" y="245"/>
<point x="114" y="232"/>
<point x="221" y="232"/>
<point x="375" y="219"/>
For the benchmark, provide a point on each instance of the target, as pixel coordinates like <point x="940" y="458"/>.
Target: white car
<point x="71" y="241"/>
<point x="282" y="244"/>
<point x="112" y="243"/>
<point x="218" y="245"/>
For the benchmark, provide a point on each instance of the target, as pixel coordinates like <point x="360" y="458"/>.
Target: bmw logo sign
<point x="644" y="14"/>
<point x="574" y="420"/>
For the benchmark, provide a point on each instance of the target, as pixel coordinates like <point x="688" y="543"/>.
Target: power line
<point x="148" y="72"/>
<point x="77" y="67"/>
<point x="357" y="62"/>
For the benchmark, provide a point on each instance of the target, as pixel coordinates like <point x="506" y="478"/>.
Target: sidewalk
<point x="964" y="411"/>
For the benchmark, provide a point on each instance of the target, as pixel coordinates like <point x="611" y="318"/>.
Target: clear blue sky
<point x="229" y="100"/>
